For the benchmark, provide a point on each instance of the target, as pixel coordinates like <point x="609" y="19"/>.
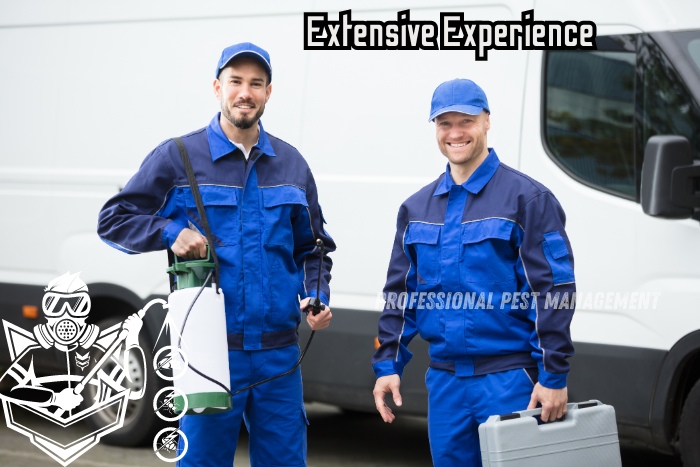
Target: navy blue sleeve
<point x="397" y="323"/>
<point x="307" y="229"/>
<point x="129" y="220"/>
<point x="548" y="265"/>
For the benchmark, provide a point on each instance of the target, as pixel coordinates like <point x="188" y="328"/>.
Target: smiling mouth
<point x="457" y="145"/>
<point x="246" y="106"/>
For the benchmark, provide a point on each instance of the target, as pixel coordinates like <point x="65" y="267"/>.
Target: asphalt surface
<point x="335" y="438"/>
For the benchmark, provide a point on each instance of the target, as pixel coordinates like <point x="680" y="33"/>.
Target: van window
<point x="589" y="119"/>
<point x="668" y="107"/>
<point x="601" y="107"/>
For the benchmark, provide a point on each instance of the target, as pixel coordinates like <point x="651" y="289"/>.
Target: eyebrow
<point x="240" y="77"/>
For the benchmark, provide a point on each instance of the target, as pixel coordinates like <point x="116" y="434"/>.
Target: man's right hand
<point x="384" y="385"/>
<point x="190" y="245"/>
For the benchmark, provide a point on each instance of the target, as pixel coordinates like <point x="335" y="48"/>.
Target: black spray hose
<point x="315" y="305"/>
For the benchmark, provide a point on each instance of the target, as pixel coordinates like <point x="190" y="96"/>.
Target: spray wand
<point x="315" y="302"/>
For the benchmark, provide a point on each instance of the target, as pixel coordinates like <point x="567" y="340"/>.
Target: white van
<point x="87" y="89"/>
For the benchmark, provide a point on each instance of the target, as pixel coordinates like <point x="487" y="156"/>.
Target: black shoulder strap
<point x="200" y="206"/>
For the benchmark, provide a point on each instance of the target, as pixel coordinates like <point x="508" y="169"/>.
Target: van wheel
<point x="140" y="421"/>
<point x="689" y="428"/>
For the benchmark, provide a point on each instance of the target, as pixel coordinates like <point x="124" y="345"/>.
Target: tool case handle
<point x="538" y="411"/>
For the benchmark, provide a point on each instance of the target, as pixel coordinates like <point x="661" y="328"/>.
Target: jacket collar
<point x="476" y="181"/>
<point x="219" y="144"/>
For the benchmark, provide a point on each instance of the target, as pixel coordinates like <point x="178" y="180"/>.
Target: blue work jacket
<point x="264" y="216"/>
<point x="480" y="270"/>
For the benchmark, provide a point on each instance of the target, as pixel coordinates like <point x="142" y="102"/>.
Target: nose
<point x="456" y="131"/>
<point x="245" y="91"/>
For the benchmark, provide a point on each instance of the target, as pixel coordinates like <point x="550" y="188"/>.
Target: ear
<point x="268" y="91"/>
<point x="217" y="88"/>
<point x="487" y="122"/>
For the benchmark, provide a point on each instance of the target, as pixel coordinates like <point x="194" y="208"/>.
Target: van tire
<point x="689" y="428"/>
<point x="140" y="423"/>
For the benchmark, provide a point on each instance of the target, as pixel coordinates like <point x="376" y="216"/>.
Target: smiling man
<point x="482" y="229"/>
<point x="261" y="202"/>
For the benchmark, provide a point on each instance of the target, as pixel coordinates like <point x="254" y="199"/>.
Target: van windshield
<point x="694" y="52"/>
<point x="671" y="86"/>
<point x="685" y="45"/>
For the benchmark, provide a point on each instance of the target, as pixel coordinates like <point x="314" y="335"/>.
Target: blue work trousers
<point x="273" y="413"/>
<point x="458" y="404"/>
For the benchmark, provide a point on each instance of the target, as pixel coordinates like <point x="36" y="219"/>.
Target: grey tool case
<point x="586" y="437"/>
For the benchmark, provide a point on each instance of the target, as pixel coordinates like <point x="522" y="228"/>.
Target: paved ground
<point x="336" y="438"/>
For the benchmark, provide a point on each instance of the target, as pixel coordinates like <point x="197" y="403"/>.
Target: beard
<point x="244" y="122"/>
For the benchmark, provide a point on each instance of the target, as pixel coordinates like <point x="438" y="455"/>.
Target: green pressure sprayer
<point x="199" y="347"/>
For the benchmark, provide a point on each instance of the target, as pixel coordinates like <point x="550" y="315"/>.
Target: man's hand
<point x="190" y="245"/>
<point x="553" y="402"/>
<point x="319" y="321"/>
<point x="384" y="385"/>
<point x="67" y="399"/>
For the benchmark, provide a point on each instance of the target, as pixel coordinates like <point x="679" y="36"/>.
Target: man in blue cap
<point x="466" y="246"/>
<point x="261" y="202"/>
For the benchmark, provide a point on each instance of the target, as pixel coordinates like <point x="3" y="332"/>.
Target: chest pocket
<point x="282" y="205"/>
<point x="221" y="205"/>
<point x="487" y="252"/>
<point x="423" y="241"/>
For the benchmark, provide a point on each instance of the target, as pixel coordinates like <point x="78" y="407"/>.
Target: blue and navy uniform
<point x="265" y="218"/>
<point x="480" y="271"/>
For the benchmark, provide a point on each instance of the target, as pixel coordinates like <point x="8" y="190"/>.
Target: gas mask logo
<point x="66" y="305"/>
<point x="95" y="378"/>
<point x="66" y="315"/>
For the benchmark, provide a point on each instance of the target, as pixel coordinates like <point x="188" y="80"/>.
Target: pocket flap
<point x="556" y="244"/>
<point x="285" y="194"/>
<point x="474" y="232"/>
<point x="214" y="196"/>
<point x="419" y="232"/>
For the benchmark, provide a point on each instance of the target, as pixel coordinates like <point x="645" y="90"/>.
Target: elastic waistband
<point x="269" y="340"/>
<point x="484" y="365"/>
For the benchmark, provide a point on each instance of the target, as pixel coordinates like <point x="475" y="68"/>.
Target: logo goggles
<point x="78" y="304"/>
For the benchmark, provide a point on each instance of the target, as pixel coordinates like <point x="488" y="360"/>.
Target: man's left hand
<point x="553" y="402"/>
<point x="319" y="321"/>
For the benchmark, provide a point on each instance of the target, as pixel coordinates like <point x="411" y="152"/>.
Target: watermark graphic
<point x="170" y="358"/>
<point x="164" y="404"/>
<point x="501" y="300"/>
<point x="170" y="363"/>
<point x="453" y="32"/>
<point x="165" y="444"/>
<point x="62" y="398"/>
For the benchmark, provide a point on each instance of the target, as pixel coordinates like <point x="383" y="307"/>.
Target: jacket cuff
<point x="387" y="367"/>
<point x="552" y="380"/>
<point x="323" y="297"/>
<point x="170" y="233"/>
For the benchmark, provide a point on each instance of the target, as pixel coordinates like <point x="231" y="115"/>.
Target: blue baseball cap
<point x="458" y="95"/>
<point x="244" y="49"/>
